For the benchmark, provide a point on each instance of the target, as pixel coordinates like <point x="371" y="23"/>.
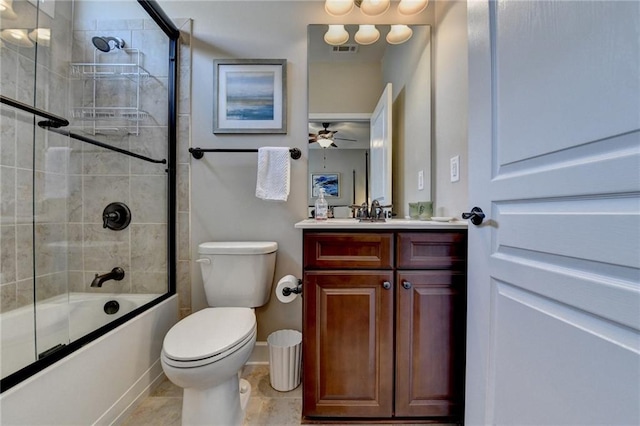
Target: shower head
<point x="106" y="44"/>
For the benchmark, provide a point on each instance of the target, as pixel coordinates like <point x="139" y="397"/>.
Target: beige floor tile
<point x="266" y="406"/>
<point x="167" y="389"/>
<point x="157" y="411"/>
<point x="258" y="376"/>
<point x="278" y="411"/>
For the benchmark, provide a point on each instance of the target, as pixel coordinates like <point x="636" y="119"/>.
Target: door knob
<point x="476" y="215"/>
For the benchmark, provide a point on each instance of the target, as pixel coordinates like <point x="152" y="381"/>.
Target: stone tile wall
<point x="33" y="179"/>
<point x="73" y="182"/>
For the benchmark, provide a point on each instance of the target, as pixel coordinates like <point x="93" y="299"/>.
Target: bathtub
<point x="58" y="321"/>
<point x="98" y="383"/>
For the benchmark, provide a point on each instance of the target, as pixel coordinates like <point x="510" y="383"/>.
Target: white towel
<point x="273" y="173"/>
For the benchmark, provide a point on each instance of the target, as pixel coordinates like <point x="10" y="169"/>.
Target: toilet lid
<point x="208" y="332"/>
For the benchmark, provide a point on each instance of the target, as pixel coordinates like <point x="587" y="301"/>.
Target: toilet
<point x="204" y="352"/>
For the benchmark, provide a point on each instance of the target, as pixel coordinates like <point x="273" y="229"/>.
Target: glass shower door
<point x="57" y="246"/>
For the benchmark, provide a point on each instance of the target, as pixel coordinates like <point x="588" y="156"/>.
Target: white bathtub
<point x="97" y="383"/>
<point x="58" y="320"/>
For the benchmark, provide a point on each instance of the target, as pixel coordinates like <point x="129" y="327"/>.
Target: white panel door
<point x="554" y="155"/>
<point x="380" y="148"/>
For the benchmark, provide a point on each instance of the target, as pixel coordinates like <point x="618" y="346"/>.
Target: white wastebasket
<point x="285" y="355"/>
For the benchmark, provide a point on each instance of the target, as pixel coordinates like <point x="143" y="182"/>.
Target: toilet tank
<point x="237" y="274"/>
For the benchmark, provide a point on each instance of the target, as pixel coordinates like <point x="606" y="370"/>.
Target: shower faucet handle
<point x="110" y="217"/>
<point x="116" y="216"/>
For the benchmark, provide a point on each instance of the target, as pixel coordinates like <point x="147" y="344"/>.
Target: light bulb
<point x="41" y="36"/>
<point x="367" y="34"/>
<point x="399" y="34"/>
<point x="336" y="35"/>
<point x="6" y="9"/>
<point x="338" y="7"/>
<point x="374" y="7"/>
<point x="412" y="7"/>
<point x="17" y="37"/>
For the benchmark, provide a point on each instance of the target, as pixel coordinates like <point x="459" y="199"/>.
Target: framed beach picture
<point x="329" y="181"/>
<point x="250" y="96"/>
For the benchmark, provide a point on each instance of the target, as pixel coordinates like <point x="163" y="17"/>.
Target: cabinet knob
<point x="406" y="284"/>
<point x="386" y="285"/>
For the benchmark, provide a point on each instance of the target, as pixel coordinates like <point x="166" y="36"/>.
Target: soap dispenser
<point x="322" y="207"/>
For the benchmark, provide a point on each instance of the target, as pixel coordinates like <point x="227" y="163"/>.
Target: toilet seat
<point x="208" y="336"/>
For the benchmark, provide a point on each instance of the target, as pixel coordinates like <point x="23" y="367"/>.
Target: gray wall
<point x="450" y="87"/>
<point x="409" y="70"/>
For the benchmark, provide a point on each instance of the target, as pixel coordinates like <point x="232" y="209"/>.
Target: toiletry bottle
<point x="322" y="206"/>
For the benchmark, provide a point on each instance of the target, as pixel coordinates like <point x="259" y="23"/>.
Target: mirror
<point x="345" y="84"/>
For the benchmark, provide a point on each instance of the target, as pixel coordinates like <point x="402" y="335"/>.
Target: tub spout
<point x="116" y="273"/>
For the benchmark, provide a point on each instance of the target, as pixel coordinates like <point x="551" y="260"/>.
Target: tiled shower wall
<point x="99" y="177"/>
<point x="184" y="169"/>
<point x="75" y="181"/>
<point x="25" y="166"/>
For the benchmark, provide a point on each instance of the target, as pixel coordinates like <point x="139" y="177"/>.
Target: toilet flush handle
<point x="206" y="270"/>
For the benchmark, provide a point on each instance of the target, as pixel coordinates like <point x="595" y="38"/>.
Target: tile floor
<point x="266" y="405"/>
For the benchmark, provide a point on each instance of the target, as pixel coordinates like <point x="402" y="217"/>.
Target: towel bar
<point x="198" y="153"/>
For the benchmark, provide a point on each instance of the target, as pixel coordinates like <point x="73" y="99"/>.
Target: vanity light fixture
<point x="16" y="36"/>
<point x="367" y="34"/>
<point x="399" y="34"/>
<point x="373" y="7"/>
<point x="6" y="9"/>
<point x="412" y="7"/>
<point x="336" y="35"/>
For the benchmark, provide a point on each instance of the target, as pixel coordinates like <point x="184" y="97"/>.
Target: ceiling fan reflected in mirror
<point x="326" y="138"/>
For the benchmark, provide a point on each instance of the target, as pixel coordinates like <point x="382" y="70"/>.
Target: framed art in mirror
<point x="330" y="182"/>
<point x="250" y="96"/>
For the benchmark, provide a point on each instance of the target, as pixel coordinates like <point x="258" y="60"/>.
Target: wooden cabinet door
<point x="348" y="344"/>
<point x="348" y="250"/>
<point x="430" y="339"/>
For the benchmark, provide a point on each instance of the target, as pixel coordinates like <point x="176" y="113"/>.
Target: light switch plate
<point x="455" y="168"/>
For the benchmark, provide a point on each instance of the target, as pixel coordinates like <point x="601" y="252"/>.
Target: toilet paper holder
<point x="297" y="290"/>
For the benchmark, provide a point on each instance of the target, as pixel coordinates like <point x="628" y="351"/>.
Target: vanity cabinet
<point x="383" y="324"/>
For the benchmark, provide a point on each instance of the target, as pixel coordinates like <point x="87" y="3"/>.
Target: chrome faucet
<point x="116" y="273"/>
<point x="376" y="210"/>
<point x="375" y="213"/>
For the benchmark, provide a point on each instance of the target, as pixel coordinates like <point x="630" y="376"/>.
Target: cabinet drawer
<point x="432" y="250"/>
<point x="341" y="250"/>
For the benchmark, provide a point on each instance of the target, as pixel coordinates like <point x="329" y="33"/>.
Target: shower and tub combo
<point x="88" y="222"/>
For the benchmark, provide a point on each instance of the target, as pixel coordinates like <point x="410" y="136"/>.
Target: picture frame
<point x="329" y="181"/>
<point x="250" y="96"/>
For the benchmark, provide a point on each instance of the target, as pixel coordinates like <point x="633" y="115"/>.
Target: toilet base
<point x="222" y="405"/>
<point x="245" y="393"/>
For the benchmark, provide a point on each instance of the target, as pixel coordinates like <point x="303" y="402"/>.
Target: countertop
<point x="389" y="224"/>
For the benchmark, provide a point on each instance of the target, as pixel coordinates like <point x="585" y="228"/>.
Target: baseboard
<point x="260" y="354"/>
